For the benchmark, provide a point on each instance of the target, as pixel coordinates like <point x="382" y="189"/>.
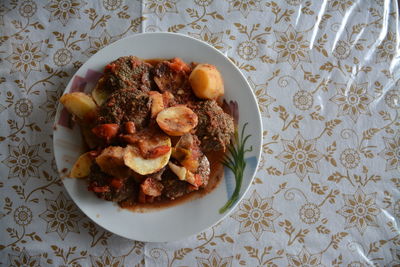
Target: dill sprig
<point x="236" y="163"/>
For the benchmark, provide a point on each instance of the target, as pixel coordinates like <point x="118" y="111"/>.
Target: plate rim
<point x="258" y="142"/>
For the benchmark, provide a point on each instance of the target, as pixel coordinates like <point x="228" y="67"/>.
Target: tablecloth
<point x="326" y="77"/>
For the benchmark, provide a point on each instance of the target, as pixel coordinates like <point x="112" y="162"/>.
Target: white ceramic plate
<point x="178" y="221"/>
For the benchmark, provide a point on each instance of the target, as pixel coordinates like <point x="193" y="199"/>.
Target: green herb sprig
<point x="236" y="163"/>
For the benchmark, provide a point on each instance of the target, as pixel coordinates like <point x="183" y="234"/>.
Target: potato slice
<point x="176" y="121"/>
<point x="157" y="103"/>
<point x="82" y="166"/>
<point x="111" y="161"/>
<point x="134" y="160"/>
<point x="79" y="104"/>
<point x="206" y="82"/>
<point x="99" y="94"/>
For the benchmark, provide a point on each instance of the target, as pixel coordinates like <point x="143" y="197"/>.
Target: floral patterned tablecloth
<point x="326" y="76"/>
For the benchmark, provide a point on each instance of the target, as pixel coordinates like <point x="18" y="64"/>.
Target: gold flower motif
<point x="213" y="38"/>
<point x="111" y="5"/>
<point x="3" y="10"/>
<point x="263" y="99"/>
<point x="50" y="106"/>
<point x="309" y="213"/>
<point x="61" y="216"/>
<point x="291" y="46"/>
<point x="23" y="107"/>
<point x="353" y="101"/>
<point x="247" y="50"/>
<point x="339" y="5"/>
<point x="106" y="260"/>
<point x="160" y="7"/>
<point x="26" y="57"/>
<point x="303" y="100"/>
<point x="22" y="216"/>
<point x="392" y="98"/>
<point x="23" y="161"/>
<point x="391" y="153"/>
<point x="387" y="49"/>
<point x="256" y="215"/>
<point x="342" y="50"/>
<point x="97" y="43"/>
<point x="64" y="10"/>
<point x="62" y="57"/>
<point x="350" y="158"/>
<point x="214" y="260"/>
<point x="203" y="2"/>
<point x="27" y="8"/>
<point x="360" y="210"/>
<point x="77" y="64"/>
<point x="244" y="6"/>
<point x="24" y="259"/>
<point x="300" y="156"/>
<point x="304" y="258"/>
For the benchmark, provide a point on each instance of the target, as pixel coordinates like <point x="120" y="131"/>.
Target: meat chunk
<point x="204" y="170"/>
<point x="124" y="106"/>
<point x="127" y="72"/>
<point x="173" y="81"/>
<point x="215" y="127"/>
<point x="97" y="179"/>
<point x="174" y="188"/>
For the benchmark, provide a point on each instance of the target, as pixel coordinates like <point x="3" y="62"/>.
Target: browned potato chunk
<point x="78" y="103"/>
<point x="176" y="121"/>
<point x="99" y="94"/>
<point x="157" y="103"/>
<point x="111" y="161"/>
<point x="134" y="160"/>
<point x="206" y="82"/>
<point x="82" y="166"/>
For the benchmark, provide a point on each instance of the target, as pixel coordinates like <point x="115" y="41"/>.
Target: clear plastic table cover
<point x="326" y="76"/>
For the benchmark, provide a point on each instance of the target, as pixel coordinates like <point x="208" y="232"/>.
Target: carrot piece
<point x="101" y="189"/>
<point x="157" y="152"/>
<point x="130" y="127"/>
<point x="177" y="64"/>
<point x="117" y="183"/>
<point x="111" y="67"/>
<point x="106" y="131"/>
